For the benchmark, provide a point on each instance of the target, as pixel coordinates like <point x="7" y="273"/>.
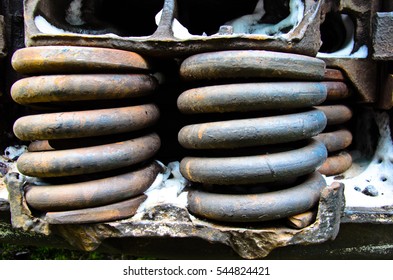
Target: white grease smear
<point x="74" y="13"/>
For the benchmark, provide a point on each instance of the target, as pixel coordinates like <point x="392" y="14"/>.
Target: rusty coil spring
<point x="103" y="163"/>
<point x="336" y="137"/>
<point x="259" y="136"/>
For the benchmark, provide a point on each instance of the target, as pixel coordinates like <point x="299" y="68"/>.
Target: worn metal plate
<point x="92" y="193"/>
<point x="68" y="59"/>
<point x="383" y="36"/>
<point x="255" y="169"/>
<point x="247" y="97"/>
<point x="251" y="64"/>
<point x="87" y="123"/>
<point x="116" y="211"/>
<point x="90" y="159"/>
<point x="253" y="132"/>
<point x="60" y="88"/>
<point x="245" y="208"/>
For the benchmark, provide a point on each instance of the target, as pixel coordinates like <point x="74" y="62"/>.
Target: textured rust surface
<point x="91" y="193"/>
<point x="86" y="123"/>
<point x="60" y="88"/>
<point x="386" y="98"/>
<point x="257" y="207"/>
<point x="67" y="59"/>
<point x="89" y="159"/>
<point x="336" y="114"/>
<point x="253" y="132"/>
<point x="337" y="91"/>
<point x="335" y="140"/>
<point x="254" y="169"/>
<point x="161" y="41"/>
<point x="251" y="64"/>
<point x="336" y="164"/>
<point x="112" y="212"/>
<point x="383" y="36"/>
<point x="251" y="97"/>
<point x="334" y="75"/>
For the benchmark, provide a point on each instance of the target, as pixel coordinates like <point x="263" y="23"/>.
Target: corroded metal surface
<point x="92" y="193"/>
<point x="251" y="64"/>
<point x="257" y="207"/>
<point x="89" y="159"/>
<point x="336" y="114"/>
<point x="251" y="97"/>
<point x="66" y="59"/>
<point x="87" y="123"/>
<point x="334" y="75"/>
<point x="161" y="38"/>
<point x="255" y="169"/>
<point x="253" y="132"/>
<point x="337" y="91"/>
<point x="336" y="164"/>
<point x="382" y="36"/>
<point x="60" y="88"/>
<point x="335" y="140"/>
<point x="112" y="212"/>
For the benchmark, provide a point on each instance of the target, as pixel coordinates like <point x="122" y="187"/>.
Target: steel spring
<point x="254" y="157"/>
<point x="336" y="137"/>
<point x="96" y="158"/>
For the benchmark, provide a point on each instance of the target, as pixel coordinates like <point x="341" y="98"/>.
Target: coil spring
<point x="258" y="163"/>
<point x="97" y="160"/>
<point x="336" y="137"/>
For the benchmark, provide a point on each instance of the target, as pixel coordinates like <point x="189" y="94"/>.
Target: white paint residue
<point x="248" y="24"/>
<point x="3" y="193"/>
<point x="166" y="190"/>
<point x="45" y="27"/>
<point x="378" y="176"/>
<point x="74" y="13"/>
<point x="14" y="152"/>
<point x="179" y="31"/>
<point x="347" y="48"/>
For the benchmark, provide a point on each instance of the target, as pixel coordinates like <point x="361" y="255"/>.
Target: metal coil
<point x="257" y="207"/>
<point x="71" y="60"/>
<point x="87" y="123"/>
<point x="336" y="164"/>
<point x="255" y="169"/>
<point x="336" y="114"/>
<point x="91" y="193"/>
<point x="336" y="91"/>
<point x="63" y="88"/>
<point x="251" y="64"/>
<point x="249" y="97"/>
<point x="335" y="140"/>
<point x="90" y="159"/>
<point x="107" y="213"/>
<point x="253" y="132"/>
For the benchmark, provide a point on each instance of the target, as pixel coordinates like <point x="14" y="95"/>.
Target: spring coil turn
<point x="255" y="157"/>
<point x="96" y="159"/>
<point x="336" y="136"/>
